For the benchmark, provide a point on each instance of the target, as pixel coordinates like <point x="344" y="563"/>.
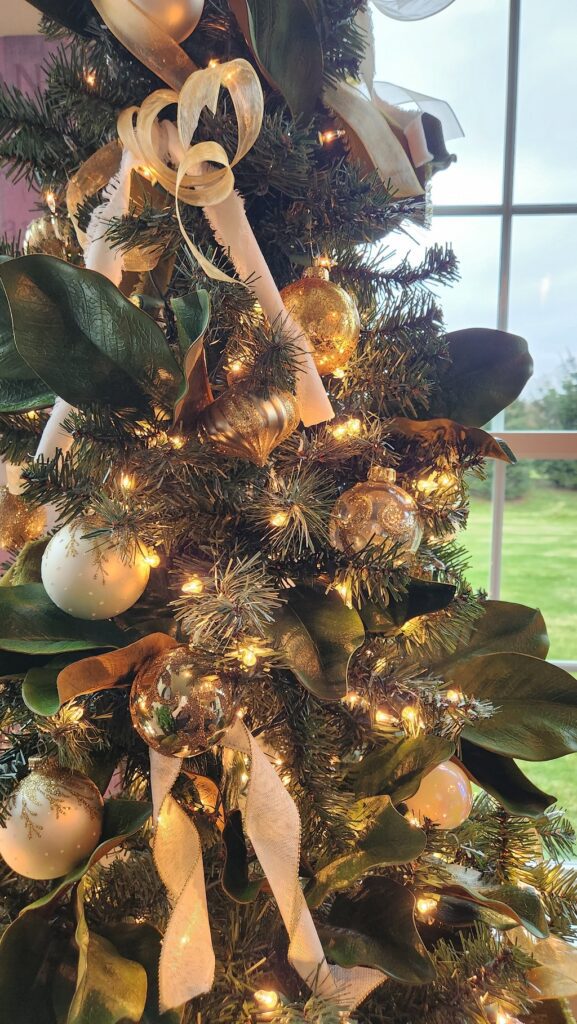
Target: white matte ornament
<point x="178" y="18"/>
<point x="53" y="822"/>
<point x="445" y="796"/>
<point x="88" y="577"/>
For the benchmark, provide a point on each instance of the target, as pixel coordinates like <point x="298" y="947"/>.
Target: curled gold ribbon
<point x="142" y="37"/>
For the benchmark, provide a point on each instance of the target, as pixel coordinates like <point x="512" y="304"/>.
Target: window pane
<point x="471" y="301"/>
<point x="460" y="56"/>
<point x="543" y="308"/>
<point x="546" y="139"/>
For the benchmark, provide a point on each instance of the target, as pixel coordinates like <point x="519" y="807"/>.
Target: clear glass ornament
<point x="376" y="512"/>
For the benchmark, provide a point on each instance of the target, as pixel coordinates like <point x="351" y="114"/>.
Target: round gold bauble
<point x="376" y="512"/>
<point x="327" y="315"/>
<point x="51" y="235"/>
<point x="178" y="18"/>
<point x="179" y="705"/>
<point x="19" y="522"/>
<point x="444" y="796"/>
<point x="249" y="426"/>
<point x="53" y="822"/>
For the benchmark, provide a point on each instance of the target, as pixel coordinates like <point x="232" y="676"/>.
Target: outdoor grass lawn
<point x="539" y="569"/>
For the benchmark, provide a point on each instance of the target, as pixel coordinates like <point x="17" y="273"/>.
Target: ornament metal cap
<point x="322" y="273"/>
<point x="382" y="473"/>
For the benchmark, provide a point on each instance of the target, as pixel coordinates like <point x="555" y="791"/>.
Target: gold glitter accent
<point x="61" y="789"/>
<point x="19" y="522"/>
<point x="249" y="426"/>
<point x="375" y="512"/>
<point x="328" y="316"/>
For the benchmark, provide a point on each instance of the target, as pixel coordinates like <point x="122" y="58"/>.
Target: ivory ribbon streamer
<point x="197" y="182"/>
<point x="14" y="481"/>
<point x="150" y="44"/>
<point x="272" y="823"/>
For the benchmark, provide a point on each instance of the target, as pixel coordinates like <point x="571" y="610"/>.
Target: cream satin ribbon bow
<point x="272" y="823"/>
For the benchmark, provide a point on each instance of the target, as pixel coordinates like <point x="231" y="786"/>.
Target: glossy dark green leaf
<point x="502" y="778"/>
<point x="503" y="627"/>
<point x="397" y="768"/>
<point x="536" y="705"/>
<point x="75" y="16"/>
<point x="28" y="949"/>
<point x="20" y="388"/>
<point x="141" y="943"/>
<point x="122" y="818"/>
<point x="286" y="42"/>
<point x="486" y="371"/>
<point x="39" y="690"/>
<point x="109" y="988"/>
<point x="192" y="314"/>
<point x="82" y="337"/>
<point x="30" y="623"/>
<point x="376" y="928"/>
<point x="385" y="838"/>
<point x="422" y="598"/>
<point x="503" y="906"/>
<point x="235" y="877"/>
<point x="317" y="635"/>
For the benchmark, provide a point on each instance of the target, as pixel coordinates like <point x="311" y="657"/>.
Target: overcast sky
<point x="460" y="55"/>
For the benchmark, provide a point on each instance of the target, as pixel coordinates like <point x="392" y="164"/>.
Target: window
<point x="509" y="207"/>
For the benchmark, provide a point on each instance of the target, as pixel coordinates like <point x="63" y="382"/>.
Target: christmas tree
<point x="246" y="689"/>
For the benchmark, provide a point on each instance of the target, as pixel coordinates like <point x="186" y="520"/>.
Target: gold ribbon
<point x="142" y="37"/>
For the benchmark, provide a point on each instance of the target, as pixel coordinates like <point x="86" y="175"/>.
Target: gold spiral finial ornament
<point x="249" y="426"/>
<point x="328" y="316"/>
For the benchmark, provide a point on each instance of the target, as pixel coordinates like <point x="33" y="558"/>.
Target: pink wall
<point x="21" y="60"/>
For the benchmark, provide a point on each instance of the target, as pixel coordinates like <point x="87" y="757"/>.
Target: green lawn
<point x="539" y="569"/>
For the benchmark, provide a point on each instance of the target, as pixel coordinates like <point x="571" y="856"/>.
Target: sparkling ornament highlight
<point x="90" y="577"/>
<point x="179" y="705"/>
<point x="249" y="426"/>
<point x="19" y="522"/>
<point x="376" y="512"/>
<point x="327" y="315"/>
<point x="178" y="18"/>
<point x="51" y="235"/>
<point x="445" y="796"/>
<point x="53" y="822"/>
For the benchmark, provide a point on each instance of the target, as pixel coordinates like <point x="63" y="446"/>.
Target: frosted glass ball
<point x="88" y="576"/>
<point x="445" y="796"/>
<point x="178" y="18"/>
<point x="53" y="822"/>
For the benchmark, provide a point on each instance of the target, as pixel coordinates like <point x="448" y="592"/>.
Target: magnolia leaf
<point x="32" y="624"/>
<point x="235" y="877"/>
<point x="317" y="635"/>
<point x="28" y="950"/>
<point x="421" y="598"/>
<point x="20" y="388"/>
<point x="506" y="904"/>
<point x="192" y="313"/>
<point x="76" y="16"/>
<point x="142" y="943"/>
<point x="397" y="768"/>
<point x="122" y="818"/>
<point x="376" y="928"/>
<point x="485" y="372"/>
<point x="556" y="977"/>
<point x="504" y="627"/>
<point x="103" y="671"/>
<point x="502" y="778"/>
<point x="466" y="441"/>
<point x="535" y="703"/>
<point x="26" y="567"/>
<point x="387" y="839"/>
<point x="285" y="41"/>
<point x="39" y="689"/>
<point x="82" y="336"/>
<point x="109" y="988"/>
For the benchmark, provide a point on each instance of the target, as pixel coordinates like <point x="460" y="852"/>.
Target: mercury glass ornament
<point x="376" y="512"/>
<point x="53" y="821"/>
<point x="328" y="316"/>
<point x="179" y="705"/>
<point x="246" y="425"/>
<point x="19" y="522"/>
<point x="444" y="796"/>
<point x="51" y="235"/>
<point x="178" y="18"/>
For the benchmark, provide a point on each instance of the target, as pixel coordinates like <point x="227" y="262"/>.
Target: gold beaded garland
<point x="328" y="316"/>
<point x="19" y="522"/>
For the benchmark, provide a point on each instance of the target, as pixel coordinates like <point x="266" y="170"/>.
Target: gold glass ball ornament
<point x="328" y="316"/>
<point x="53" y="821"/>
<point x="19" y="522"/>
<point x="179" y="705"/>
<point x="178" y="18"/>
<point x="249" y="426"/>
<point x="51" y="235"/>
<point x="444" y="796"/>
<point x="376" y="512"/>
<point x="92" y="577"/>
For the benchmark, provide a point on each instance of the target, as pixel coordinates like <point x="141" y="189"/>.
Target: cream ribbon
<point x="272" y="823"/>
<point x="142" y="37"/>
